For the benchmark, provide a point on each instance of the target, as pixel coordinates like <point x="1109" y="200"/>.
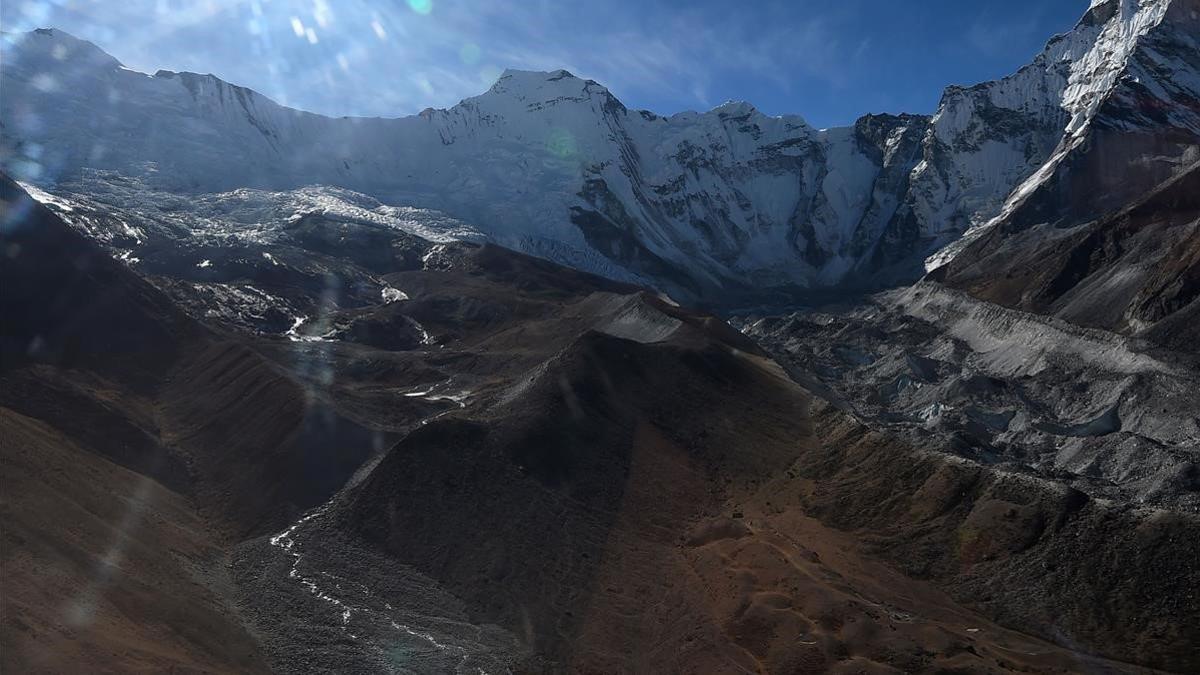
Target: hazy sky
<point x="827" y="60"/>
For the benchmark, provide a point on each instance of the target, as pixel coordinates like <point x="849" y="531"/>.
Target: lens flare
<point x="421" y="6"/>
<point x="489" y="74"/>
<point x="469" y="53"/>
<point x="561" y="143"/>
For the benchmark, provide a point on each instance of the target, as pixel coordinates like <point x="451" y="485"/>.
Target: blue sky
<point x="827" y="60"/>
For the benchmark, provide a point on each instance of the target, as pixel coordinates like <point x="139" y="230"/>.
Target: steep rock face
<point x="1104" y="234"/>
<point x="1139" y="132"/>
<point x="1146" y="129"/>
<point x="1136" y="271"/>
<point x="722" y="207"/>
<point x="1131" y="97"/>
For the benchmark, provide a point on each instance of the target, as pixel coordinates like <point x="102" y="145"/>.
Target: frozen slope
<point x="725" y="206"/>
<point x="543" y="162"/>
<point x="1124" y="91"/>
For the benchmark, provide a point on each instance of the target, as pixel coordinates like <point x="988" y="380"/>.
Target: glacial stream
<point x="369" y="625"/>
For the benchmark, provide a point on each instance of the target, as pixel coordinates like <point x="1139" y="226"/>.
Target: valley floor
<point x="516" y="467"/>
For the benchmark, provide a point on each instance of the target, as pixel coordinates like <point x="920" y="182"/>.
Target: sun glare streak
<point x="81" y="611"/>
<point x="378" y="28"/>
<point x="322" y="13"/>
<point x="315" y="55"/>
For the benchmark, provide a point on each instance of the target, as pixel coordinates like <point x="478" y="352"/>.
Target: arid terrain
<point x="555" y="473"/>
<point x="542" y="383"/>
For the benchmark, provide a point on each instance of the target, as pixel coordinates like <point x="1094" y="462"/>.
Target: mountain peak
<point x="532" y="79"/>
<point x="545" y="86"/>
<point x="735" y="109"/>
<point x="513" y="79"/>
<point x="45" y="46"/>
<point x="559" y="74"/>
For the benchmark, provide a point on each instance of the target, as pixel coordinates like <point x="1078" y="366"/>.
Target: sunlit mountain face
<point x="478" y="337"/>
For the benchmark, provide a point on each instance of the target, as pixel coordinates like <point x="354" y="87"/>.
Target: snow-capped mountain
<point x="1117" y="101"/>
<point x="721" y="206"/>
<point x="257" y="261"/>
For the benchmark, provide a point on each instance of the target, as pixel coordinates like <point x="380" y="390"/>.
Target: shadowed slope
<point x="135" y="441"/>
<point x="105" y="570"/>
<point x="1135" y="271"/>
<point x="87" y="339"/>
<point x="641" y="503"/>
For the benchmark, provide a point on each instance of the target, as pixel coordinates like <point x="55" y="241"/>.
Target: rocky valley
<point x="541" y="383"/>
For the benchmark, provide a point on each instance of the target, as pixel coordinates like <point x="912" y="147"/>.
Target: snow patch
<point x="43" y="197"/>
<point x="390" y="295"/>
